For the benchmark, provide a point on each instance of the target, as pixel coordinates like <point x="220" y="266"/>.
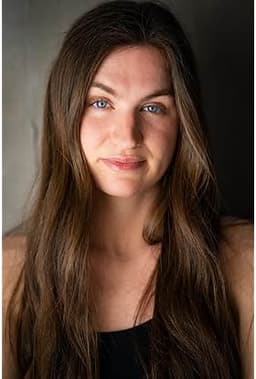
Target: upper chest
<point x="118" y="290"/>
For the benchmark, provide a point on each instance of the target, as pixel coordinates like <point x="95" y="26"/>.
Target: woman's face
<point x="130" y="125"/>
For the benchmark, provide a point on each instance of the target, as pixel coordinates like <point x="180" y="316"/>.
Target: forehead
<point x="130" y="65"/>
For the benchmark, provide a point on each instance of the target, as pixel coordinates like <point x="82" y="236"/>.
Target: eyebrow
<point x="156" y="93"/>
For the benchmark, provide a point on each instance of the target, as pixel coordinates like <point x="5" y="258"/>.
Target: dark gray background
<point x="221" y="33"/>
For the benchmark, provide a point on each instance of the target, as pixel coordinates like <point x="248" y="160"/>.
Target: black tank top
<point x="120" y="352"/>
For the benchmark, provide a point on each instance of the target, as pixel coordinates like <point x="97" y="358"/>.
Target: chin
<point x="122" y="188"/>
<point x="120" y="192"/>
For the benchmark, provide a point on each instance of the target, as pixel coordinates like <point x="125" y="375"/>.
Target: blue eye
<point x="100" y="104"/>
<point x="152" y="108"/>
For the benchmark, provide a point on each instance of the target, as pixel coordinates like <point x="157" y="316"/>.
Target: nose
<point x="126" y="131"/>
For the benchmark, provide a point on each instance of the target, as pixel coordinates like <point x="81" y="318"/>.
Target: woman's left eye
<point x="152" y="108"/>
<point x="100" y="104"/>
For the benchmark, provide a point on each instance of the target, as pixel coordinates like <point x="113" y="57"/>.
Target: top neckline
<point x="114" y="332"/>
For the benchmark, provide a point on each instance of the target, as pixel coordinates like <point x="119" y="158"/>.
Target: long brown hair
<point x="194" y="326"/>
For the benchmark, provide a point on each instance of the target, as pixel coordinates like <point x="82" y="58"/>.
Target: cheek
<point x="91" y="135"/>
<point x="163" y="142"/>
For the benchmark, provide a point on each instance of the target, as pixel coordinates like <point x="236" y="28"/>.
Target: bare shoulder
<point x="236" y="252"/>
<point x="13" y="260"/>
<point x="13" y="250"/>
<point x="236" y="257"/>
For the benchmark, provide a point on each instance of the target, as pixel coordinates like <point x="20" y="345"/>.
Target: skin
<point x="128" y="119"/>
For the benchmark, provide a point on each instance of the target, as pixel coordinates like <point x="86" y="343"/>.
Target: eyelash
<point x="98" y="101"/>
<point x="161" y="109"/>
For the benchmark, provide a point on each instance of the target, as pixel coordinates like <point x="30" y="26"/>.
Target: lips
<point x="124" y="163"/>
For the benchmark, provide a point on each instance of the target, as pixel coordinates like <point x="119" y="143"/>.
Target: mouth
<point x="128" y="163"/>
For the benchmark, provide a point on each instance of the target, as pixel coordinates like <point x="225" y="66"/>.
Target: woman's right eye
<point x="100" y="104"/>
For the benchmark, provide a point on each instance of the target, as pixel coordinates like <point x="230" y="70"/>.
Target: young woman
<point x="127" y="269"/>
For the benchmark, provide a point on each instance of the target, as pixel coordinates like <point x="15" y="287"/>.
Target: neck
<point x="117" y="225"/>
